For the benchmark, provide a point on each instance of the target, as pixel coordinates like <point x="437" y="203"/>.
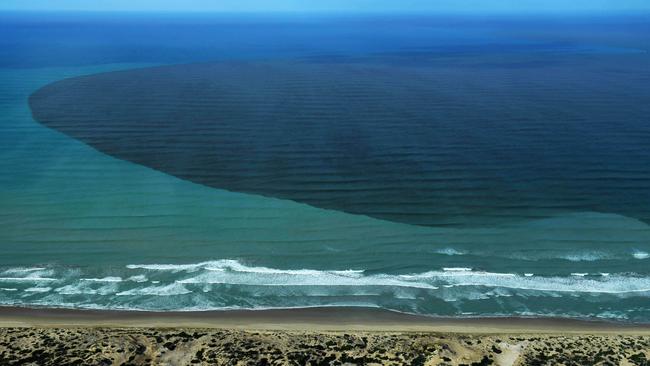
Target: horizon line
<point x="338" y="12"/>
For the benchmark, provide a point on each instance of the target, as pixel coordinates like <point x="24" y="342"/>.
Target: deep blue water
<point x="428" y="164"/>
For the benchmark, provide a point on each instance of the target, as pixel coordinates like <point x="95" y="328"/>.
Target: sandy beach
<point x="307" y="319"/>
<point x="312" y="336"/>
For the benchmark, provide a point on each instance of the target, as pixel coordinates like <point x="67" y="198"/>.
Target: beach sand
<point x="313" y="336"/>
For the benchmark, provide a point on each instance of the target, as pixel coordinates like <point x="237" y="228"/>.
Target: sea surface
<point x="438" y="165"/>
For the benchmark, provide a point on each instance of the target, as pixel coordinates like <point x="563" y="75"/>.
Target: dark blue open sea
<point x="438" y="165"/>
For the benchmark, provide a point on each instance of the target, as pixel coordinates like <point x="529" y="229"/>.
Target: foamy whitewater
<point x="82" y="228"/>
<point x="228" y="284"/>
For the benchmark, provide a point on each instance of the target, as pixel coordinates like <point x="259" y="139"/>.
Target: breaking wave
<point x="227" y="284"/>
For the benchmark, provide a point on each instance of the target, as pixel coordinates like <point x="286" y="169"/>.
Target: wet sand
<point x="314" y="336"/>
<point x="318" y="318"/>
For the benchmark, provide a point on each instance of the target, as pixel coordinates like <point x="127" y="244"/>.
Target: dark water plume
<point x="459" y="140"/>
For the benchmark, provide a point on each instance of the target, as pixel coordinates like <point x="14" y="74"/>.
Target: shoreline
<point x="315" y="319"/>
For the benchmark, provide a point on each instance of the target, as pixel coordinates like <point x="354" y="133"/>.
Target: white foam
<point x="231" y="272"/>
<point x="26" y="279"/>
<point x="137" y="278"/>
<point x="38" y="289"/>
<point x="613" y="284"/>
<point x="104" y="279"/>
<point x="165" y="290"/>
<point x="640" y="254"/>
<point x="234" y="266"/>
<point x="82" y="288"/>
<point x="8" y="289"/>
<point x="166" y="267"/>
<point x="451" y="283"/>
<point x="585" y="256"/>
<point x="304" y="278"/>
<point x="23" y="269"/>
<point x="450" y="251"/>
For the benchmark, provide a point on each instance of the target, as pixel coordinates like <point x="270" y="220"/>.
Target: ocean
<point x="428" y="164"/>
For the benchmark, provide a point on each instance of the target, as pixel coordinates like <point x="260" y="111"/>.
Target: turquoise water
<point x="80" y="228"/>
